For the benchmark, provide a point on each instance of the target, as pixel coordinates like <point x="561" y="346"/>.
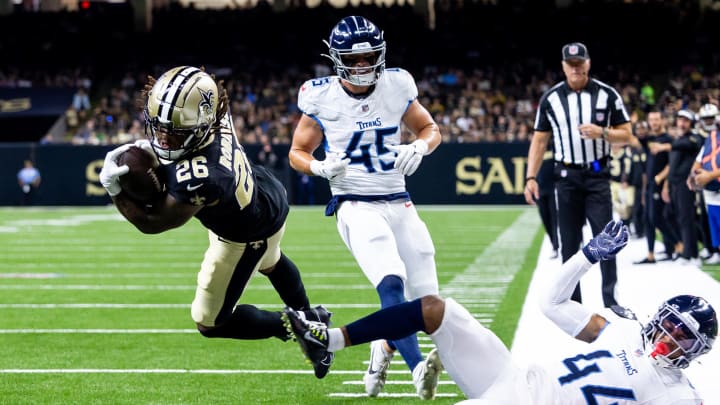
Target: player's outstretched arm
<point x="572" y="317"/>
<point x="162" y="216"/>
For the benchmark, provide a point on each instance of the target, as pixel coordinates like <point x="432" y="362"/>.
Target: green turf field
<point x="93" y="311"/>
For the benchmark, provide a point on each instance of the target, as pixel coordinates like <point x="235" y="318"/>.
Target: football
<point x="143" y="183"/>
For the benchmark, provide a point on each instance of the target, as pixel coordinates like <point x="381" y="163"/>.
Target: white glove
<point x="145" y="145"/>
<point x="330" y="168"/>
<point x="111" y="172"/>
<point x="409" y="156"/>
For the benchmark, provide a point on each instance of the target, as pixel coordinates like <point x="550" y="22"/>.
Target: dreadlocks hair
<point x="141" y="101"/>
<point x="223" y="98"/>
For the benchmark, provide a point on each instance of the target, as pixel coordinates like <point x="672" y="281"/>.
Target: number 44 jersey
<point x="614" y="369"/>
<point x="360" y="128"/>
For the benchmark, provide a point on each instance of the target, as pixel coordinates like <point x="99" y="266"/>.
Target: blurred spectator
<point x="81" y="101"/>
<point x="28" y="180"/>
<point x="683" y="151"/>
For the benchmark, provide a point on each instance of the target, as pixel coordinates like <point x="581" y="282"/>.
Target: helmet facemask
<point x="180" y="142"/>
<point x="683" y="332"/>
<point x="180" y="112"/>
<point x="358" y="75"/>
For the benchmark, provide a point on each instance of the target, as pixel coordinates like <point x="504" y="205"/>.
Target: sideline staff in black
<point x="583" y="115"/>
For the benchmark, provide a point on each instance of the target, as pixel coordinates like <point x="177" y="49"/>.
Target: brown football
<point x="143" y="182"/>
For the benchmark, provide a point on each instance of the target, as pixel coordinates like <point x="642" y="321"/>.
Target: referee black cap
<point x="575" y="50"/>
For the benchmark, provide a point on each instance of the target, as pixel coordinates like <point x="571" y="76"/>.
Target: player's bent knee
<point x="206" y="331"/>
<point x="433" y="309"/>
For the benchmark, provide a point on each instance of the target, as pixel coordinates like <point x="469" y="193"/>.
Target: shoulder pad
<point x="401" y="83"/>
<point x="623" y="312"/>
<point x="310" y="92"/>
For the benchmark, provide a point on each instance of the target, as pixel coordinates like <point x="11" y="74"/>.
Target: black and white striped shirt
<point x="562" y="110"/>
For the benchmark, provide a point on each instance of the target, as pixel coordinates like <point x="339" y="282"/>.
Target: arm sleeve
<point x="555" y="301"/>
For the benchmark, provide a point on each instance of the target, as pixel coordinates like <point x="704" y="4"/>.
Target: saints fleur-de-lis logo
<point x="206" y="100"/>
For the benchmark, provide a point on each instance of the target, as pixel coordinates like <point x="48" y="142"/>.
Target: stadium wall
<point x="454" y="174"/>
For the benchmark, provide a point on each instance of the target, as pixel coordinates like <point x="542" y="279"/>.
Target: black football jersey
<point x="241" y="202"/>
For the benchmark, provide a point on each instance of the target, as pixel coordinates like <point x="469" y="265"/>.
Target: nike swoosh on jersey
<point x="193" y="188"/>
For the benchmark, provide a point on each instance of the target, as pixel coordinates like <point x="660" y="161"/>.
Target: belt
<point x="595" y="165"/>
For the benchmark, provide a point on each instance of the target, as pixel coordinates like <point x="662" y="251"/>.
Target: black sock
<point x="285" y="277"/>
<point x="249" y="322"/>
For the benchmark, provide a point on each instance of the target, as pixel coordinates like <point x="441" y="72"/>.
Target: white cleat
<point x="376" y="373"/>
<point x="714" y="259"/>
<point x="426" y="374"/>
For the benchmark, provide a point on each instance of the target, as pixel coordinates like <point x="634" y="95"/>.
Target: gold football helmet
<point x="181" y="109"/>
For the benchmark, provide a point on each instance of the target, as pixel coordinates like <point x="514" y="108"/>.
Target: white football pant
<point x="389" y="238"/>
<point x="478" y="361"/>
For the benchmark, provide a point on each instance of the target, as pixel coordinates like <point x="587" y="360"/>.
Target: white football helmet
<point x="182" y="105"/>
<point x="708" y="116"/>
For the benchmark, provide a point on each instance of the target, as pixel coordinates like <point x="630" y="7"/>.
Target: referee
<point x="582" y="115"/>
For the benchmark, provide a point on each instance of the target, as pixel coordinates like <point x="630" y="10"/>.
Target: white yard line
<point x="155" y="306"/>
<point x="482" y="285"/>
<point x="164" y="371"/>
<point x="113" y="287"/>
<point x="95" y="331"/>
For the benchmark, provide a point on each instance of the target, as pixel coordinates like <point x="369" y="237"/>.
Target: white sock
<point x="336" y="340"/>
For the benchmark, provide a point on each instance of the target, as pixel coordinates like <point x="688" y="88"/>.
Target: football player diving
<point x="208" y="176"/>
<point x="358" y="116"/>
<point x="623" y="363"/>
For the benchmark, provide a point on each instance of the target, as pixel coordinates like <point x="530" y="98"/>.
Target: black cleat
<point x="313" y="339"/>
<point x="317" y="314"/>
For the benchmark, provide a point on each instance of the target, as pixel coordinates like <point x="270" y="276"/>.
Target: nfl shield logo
<point x="365" y="108"/>
<point x="599" y="116"/>
<point x="573" y="50"/>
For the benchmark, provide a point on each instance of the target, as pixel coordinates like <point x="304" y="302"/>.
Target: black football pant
<point x="683" y="204"/>
<point x="654" y="218"/>
<point x="584" y="195"/>
<point x="548" y="214"/>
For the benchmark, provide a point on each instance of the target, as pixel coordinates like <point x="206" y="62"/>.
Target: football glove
<point x="111" y="172"/>
<point x="409" y="156"/>
<point x="607" y="243"/>
<point x="331" y="168"/>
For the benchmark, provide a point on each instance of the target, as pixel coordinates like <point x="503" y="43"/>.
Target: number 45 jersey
<point x="360" y="127"/>
<point x="614" y="369"/>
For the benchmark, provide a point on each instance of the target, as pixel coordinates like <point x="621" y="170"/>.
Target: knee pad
<point x="391" y="291"/>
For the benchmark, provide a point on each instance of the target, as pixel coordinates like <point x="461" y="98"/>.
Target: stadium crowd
<point x="480" y="85"/>
<point x="479" y="105"/>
